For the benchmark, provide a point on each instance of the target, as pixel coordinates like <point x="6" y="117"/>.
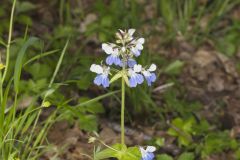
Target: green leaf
<point x="188" y="125"/>
<point x="126" y="79"/>
<point x="84" y="82"/>
<point x="178" y="122"/>
<point x="95" y="107"/>
<point x="25" y="6"/>
<point x="160" y="141"/>
<point x="174" y="68"/>
<point x="19" y="61"/>
<point x="107" y="153"/>
<point x="120" y="152"/>
<point x="186" y="156"/>
<point x="184" y="139"/>
<point x="88" y="123"/>
<point x="116" y="77"/>
<point x="172" y="132"/>
<point x="164" y="157"/>
<point x="132" y="153"/>
<point x="39" y="71"/>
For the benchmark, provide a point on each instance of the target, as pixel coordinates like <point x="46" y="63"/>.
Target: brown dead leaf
<point x="204" y="58"/>
<point x="216" y="83"/>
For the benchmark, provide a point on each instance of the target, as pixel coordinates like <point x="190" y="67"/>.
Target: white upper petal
<point x="137" y="68"/>
<point x="152" y="68"/>
<point x="146" y="73"/>
<point x="139" y="46"/>
<point x="151" y="149"/>
<point x="141" y="40"/>
<point x="107" y="48"/>
<point x="96" y="69"/>
<point x="143" y="152"/>
<point x="131" y="72"/>
<point x="131" y="31"/>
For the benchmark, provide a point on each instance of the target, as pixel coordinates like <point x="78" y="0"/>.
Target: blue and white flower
<point x="149" y="76"/>
<point x="138" y="46"/>
<point x="102" y="75"/>
<point x="130" y="63"/>
<point x="113" y="53"/>
<point x="135" y="76"/>
<point x="147" y="154"/>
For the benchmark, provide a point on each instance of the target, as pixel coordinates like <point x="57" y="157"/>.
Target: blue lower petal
<point x="110" y="60"/>
<point x="117" y="61"/>
<point x="105" y="81"/>
<point x="98" y="80"/>
<point x="102" y="80"/>
<point x="132" y="82"/>
<point x="131" y="63"/>
<point x="148" y="156"/>
<point x="139" y="78"/>
<point x="136" y="52"/>
<point x="113" y="60"/>
<point x="151" y="78"/>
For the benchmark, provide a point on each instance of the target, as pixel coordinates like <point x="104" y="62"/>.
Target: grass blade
<point x="97" y="98"/>
<point x="19" y="62"/>
<point x="40" y="56"/>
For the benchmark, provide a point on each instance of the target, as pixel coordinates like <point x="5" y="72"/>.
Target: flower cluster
<point x="122" y="54"/>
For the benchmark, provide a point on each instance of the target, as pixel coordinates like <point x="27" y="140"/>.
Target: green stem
<point x="122" y="113"/>
<point x="9" y="43"/>
<point x="1" y="90"/>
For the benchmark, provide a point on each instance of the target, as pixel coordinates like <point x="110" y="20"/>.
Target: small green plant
<point x="218" y="142"/>
<point x="183" y="130"/>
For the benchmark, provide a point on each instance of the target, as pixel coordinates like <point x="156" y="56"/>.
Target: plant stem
<point x="9" y="43"/>
<point x="122" y="113"/>
<point x="1" y="89"/>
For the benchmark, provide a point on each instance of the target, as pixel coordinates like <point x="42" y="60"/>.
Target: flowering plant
<point x="122" y="56"/>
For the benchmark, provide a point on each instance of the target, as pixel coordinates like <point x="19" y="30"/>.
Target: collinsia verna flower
<point x="102" y="75"/>
<point x="113" y="53"/>
<point x="149" y="75"/>
<point x="135" y="76"/>
<point x="147" y="154"/>
<point x="122" y="54"/>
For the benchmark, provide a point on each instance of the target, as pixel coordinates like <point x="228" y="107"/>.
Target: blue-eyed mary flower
<point x="135" y="75"/>
<point x="102" y="75"/>
<point x="149" y="75"/>
<point x="113" y="53"/>
<point x="137" y="46"/>
<point x="147" y="154"/>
